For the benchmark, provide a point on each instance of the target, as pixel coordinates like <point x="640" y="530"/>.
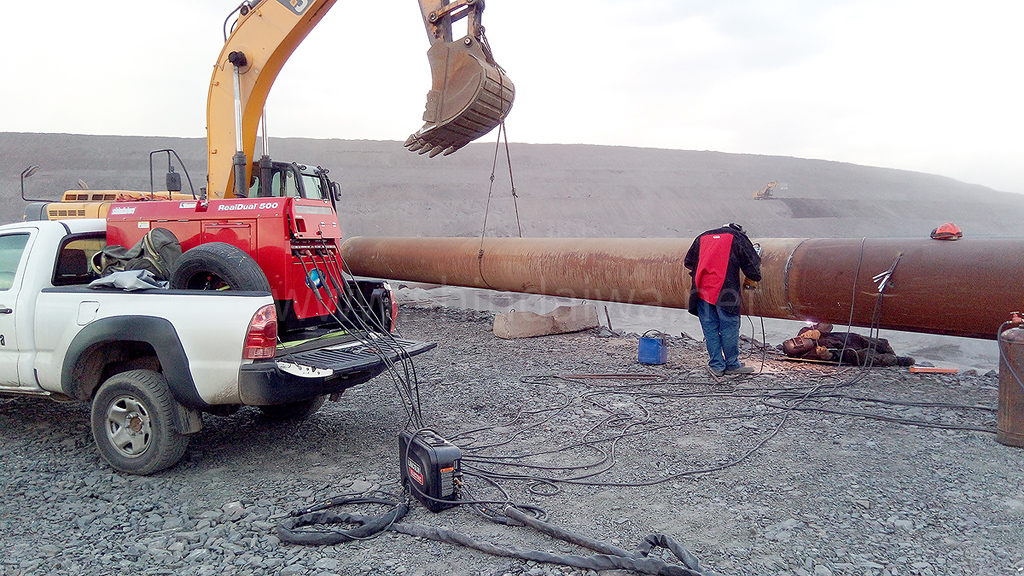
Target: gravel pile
<point x="802" y="469"/>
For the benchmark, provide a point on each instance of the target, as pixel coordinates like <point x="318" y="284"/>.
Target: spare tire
<point x="218" y="266"/>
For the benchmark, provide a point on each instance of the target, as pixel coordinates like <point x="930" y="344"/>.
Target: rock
<point x="360" y="486"/>
<point x="233" y="511"/>
<point x="508" y="325"/>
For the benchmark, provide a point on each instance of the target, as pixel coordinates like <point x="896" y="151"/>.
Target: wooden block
<point x="932" y="370"/>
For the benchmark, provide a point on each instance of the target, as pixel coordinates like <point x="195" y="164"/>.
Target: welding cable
<point x="582" y="479"/>
<point x="613" y="418"/>
<point x="297" y="529"/>
<point x="876" y="313"/>
<point x="636" y="562"/>
<point x="764" y="337"/>
<point x="291" y="529"/>
<point x="491" y="510"/>
<point x="409" y="400"/>
<point x="891" y="419"/>
<point x="356" y="299"/>
<point x="412" y="381"/>
<point x="685" y="556"/>
<point x="797" y="402"/>
<point x="797" y="397"/>
<point x="853" y="296"/>
<point x="353" y="298"/>
<point x="608" y="558"/>
<point x="471" y="442"/>
<point x="910" y="404"/>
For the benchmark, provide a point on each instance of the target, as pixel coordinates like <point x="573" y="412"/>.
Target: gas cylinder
<point x="1010" y="429"/>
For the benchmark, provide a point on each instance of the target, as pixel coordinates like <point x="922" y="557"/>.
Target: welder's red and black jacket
<point x="714" y="261"/>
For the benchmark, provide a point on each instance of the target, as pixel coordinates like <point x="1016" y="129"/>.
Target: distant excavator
<point x="766" y="194"/>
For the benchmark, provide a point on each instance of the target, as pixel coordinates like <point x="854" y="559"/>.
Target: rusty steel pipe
<point x="962" y="288"/>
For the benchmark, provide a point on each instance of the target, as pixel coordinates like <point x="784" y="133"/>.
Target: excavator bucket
<point x="470" y="95"/>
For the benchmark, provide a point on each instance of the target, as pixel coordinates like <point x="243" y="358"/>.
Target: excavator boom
<point x="261" y="41"/>
<point x="470" y="94"/>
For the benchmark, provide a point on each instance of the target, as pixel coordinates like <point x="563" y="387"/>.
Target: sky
<point x="931" y="86"/>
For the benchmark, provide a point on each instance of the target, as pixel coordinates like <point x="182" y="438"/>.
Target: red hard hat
<point x="947" y="231"/>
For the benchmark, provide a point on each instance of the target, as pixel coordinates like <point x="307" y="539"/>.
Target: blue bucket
<point x="652" y="349"/>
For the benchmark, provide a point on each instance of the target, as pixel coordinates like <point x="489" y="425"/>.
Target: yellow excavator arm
<point x="469" y="96"/>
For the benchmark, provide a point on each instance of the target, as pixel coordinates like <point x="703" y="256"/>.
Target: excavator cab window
<point x="313" y="186"/>
<point x="287" y="181"/>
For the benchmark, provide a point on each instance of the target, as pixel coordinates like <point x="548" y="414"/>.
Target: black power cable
<point x="298" y="529"/>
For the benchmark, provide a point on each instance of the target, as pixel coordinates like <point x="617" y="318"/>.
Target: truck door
<point x="12" y="271"/>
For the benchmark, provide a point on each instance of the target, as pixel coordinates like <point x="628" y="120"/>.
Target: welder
<point x="818" y="342"/>
<point x="714" y="260"/>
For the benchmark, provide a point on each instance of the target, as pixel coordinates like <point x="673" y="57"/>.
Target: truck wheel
<point x="294" y="410"/>
<point x="133" y="423"/>
<point x="218" y="266"/>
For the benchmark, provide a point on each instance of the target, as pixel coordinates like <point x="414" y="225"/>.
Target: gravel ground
<point x="791" y="471"/>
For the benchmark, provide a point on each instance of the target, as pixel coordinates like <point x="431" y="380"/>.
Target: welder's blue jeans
<point x="721" y="335"/>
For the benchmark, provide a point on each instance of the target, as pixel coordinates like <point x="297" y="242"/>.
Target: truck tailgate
<point x="318" y="368"/>
<point x="357" y="354"/>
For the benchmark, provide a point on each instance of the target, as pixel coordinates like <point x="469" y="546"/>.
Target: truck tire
<point x="294" y="410"/>
<point x="218" y="266"/>
<point x="133" y="423"/>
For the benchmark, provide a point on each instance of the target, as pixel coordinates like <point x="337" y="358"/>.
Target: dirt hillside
<point x="562" y="190"/>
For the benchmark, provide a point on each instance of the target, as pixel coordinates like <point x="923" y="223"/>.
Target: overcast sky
<point x="932" y="86"/>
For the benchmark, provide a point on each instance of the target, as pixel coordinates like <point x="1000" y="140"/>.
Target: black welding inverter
<point x="430" y="466"/>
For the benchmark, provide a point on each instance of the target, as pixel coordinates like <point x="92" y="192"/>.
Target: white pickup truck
<point x="151" y="361"/>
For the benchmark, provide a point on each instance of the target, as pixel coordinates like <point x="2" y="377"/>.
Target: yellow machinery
<point x="766" y="193"/>
<point x="469" y="96"/>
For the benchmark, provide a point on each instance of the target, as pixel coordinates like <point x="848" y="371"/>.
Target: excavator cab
<point x="470" y="94"/>
<point x="290" y="180"/>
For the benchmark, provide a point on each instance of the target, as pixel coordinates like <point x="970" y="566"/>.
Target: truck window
<point x="12" y="247"/>
<point x="73" y="261"/>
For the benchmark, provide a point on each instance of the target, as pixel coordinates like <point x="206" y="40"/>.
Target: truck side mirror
<point x="335" y="192"/>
